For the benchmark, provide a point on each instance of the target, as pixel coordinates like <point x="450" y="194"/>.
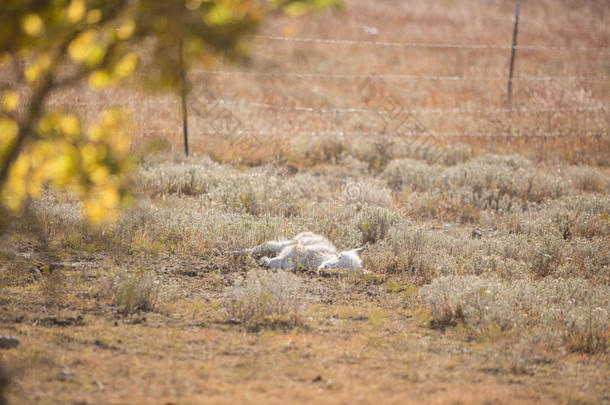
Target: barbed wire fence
<point x="221" y="116"/>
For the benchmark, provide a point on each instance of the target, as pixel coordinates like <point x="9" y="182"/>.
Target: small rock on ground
<point x="8" y="342"/>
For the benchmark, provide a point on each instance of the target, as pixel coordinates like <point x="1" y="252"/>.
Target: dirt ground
<point x="359" y="344"/>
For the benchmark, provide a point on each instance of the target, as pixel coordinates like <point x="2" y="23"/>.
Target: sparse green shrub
<point x="54" y="284"/>
<point x="350" y="166"/>
<point x="454" y="205"/>
<point x="374" y="223"/>
<point x="191" y="177"/>
<point x="380" y="258"/>
<point x="306" y="151"/>
<point x="265" y="299"/>
<point x="587" y="258"/>
<point x="424" y="149"/>
<point x="501" y="184"/>
<point x="366" y="193"/>
<point x="456" y="153"/>
<point x="411" y="174"/>
<point x="586" y="216"/>
<point x="545" y="253"/>
<point x="574" y="313"/>
<point x="132" y="290"/>
<point x="376" y="153"/>
<point x="587" y="178"/>
<point x="512" y="162"/>
<point x="498" y="182"/>
<point x="418" y="252"/>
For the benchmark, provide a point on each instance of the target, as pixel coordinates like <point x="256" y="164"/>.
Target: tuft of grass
<point x="54" y="284"/>
<point x="132" y="290"/>
<point x="377" y="318"/>
<point x="265" y="299"/>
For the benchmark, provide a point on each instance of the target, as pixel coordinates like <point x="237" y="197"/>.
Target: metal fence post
<point x="183" y="89"/>
<point x="512" y="57"/>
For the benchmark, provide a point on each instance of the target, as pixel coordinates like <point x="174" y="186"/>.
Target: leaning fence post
<point x="183" y="89"/>
<point x="512" y="56"/>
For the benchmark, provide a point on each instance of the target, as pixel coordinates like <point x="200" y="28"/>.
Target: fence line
<point x="324" y="111"/>
<point x="397" y="76"/>
<point x="254" y="134"/>
<point x="429" y="44"/>
<point x="407" y="112"/>
<point x="111" y="103"/>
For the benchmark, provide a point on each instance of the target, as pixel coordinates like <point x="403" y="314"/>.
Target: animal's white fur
<point x="307" y="250"/>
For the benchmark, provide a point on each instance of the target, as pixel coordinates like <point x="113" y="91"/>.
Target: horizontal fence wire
<point x="431" y="44"/>
<point x="254" y="134"/>
<point x="409" y="111"/>
<point x="329" y="111"/>
<point x="111" y="103"/>
<point x="397" y="76"/>
<point x="320" y="110"/>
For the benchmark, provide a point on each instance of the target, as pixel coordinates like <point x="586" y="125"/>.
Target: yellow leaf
<point x="126" y="66"/>
<point x="95" y="55"/>
<point x="94" y="210"/>
<point x="121" y="144"/>
<point x="99" y="79"/>
<point x="219" y="15"/>
<point x="62" y="168"/>
<point x="8" y="131"/>
<point x="111" y="118"/>
<point x="14" y="193"/>
<point x="35" y="181"/>
<point x="110" y="197"/>
<point x="10" y="100"/>
<point x="32" y="25"/>
<point x="127" y="200"/>
<point x="126" y="30"/>
<point x="48" y="122"/>
<point x="69" y="125"/>
<point x="80" y="47"/>
<point x="89" y="155"/>
<point x="33" y="72"/>
<point x="95" y="133"/>
<point x="94" y="16"/>
<point x="100" y="174"/>
<point x="76" y="10"/>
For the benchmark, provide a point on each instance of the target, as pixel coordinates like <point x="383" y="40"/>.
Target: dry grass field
<point x="487" y="238"/>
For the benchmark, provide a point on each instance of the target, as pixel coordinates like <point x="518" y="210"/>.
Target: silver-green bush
<point x="265" y="299"/>
<point x="573" y="313"/>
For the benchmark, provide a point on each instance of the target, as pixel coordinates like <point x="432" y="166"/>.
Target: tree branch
<point x="47" y="84"/>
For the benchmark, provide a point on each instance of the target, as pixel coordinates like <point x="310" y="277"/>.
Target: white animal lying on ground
<point x="306" y="251"/>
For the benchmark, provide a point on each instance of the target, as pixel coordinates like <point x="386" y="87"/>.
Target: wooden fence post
<point x="512" y="57"/>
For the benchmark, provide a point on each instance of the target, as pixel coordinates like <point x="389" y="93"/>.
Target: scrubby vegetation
<point x="264" y="298"/>
<point x="488" y="262"/>
<point x="571" y="313"/>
